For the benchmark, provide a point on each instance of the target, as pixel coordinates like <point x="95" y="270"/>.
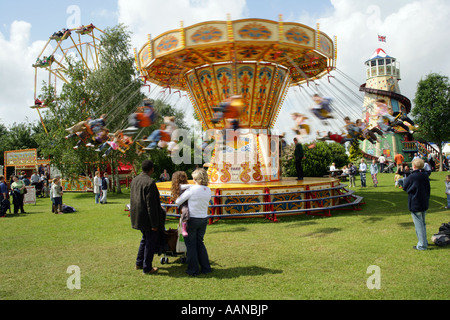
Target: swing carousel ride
<point x="250" y="63"/>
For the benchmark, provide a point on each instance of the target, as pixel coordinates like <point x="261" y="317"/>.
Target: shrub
<point x="317" y="160"/>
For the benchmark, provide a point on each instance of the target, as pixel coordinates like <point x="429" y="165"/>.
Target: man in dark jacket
<point x="417" y="184"/>
<point x="299" y="156"/>
<point x="147" y="216"/>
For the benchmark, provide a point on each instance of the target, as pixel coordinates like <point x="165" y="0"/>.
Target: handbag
<point x="181" y="245"/>
<point x="171" y="239"/>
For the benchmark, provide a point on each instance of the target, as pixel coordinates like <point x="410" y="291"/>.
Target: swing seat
<point x="306" y="127"/>
<point x="326" y="114"/>
<point x="165" y="136"/>
<point x="143" y="120"/>
<point x="231" y="112"/>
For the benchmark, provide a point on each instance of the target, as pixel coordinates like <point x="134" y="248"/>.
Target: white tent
<point x="446" y="149"/>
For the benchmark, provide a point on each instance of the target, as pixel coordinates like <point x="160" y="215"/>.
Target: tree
<point x="113" y="89"/>
<point x="18" y="136"/>
<point x="117" y="89"/>
<point x="432" y="109"/>
<point x="355" y="153"/>
<point x="317" y="159"/>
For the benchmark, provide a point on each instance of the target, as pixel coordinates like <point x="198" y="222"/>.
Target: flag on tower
<point x="382" y="38"/>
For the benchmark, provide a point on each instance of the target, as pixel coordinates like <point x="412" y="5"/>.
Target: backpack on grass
<point x="442" y="238"/>
<point x="67" y="209"/>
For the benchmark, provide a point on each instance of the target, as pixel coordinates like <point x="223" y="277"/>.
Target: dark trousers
<point x="18" y="203"/>
<point x="195" y="248"/>
<point x="299" y="168"/>
<point x="147" y="249"/>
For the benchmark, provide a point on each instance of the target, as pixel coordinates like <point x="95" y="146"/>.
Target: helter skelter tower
<point x="255" y="58"/>
<point x="383" y="76"/>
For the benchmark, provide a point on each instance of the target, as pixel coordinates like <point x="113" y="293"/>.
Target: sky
<point x="416" y="34"/>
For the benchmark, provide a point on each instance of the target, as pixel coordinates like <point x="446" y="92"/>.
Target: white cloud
<point x="155" y="17"/>
<point x="416" y="34"/>
<point x="17" y="74"/>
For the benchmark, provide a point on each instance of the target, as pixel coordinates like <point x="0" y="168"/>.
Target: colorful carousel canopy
<point x="258" y="59"/>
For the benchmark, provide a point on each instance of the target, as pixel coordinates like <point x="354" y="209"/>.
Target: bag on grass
<point x="442" y="238"/>
<point x="4" y="206"/>
<point x="67" y="209"/>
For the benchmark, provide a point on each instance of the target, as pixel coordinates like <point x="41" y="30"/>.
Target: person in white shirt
<point x="97" y="186"/>
<point x="35" y="179"/>
<point x="374" y="172"/>
<point x="333" y="169"/>
<point x="198" y="197"/>
<point x="362" y="172"/>
<point x="382" y="161"/>
<point x="57" y="196"/>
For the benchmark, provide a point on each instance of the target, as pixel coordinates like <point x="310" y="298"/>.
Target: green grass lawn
<point x="300" y="257"/>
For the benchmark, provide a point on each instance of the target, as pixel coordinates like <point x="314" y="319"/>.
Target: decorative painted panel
<point x="263" y="85"/>
<point x="224" y="81"/>
<point x="206" y="33"/>
<point x="278" y="196"/>
<point x="299" y="35"/>
<point x="167" y="43"/>
<point x="244" y="158"/>
<point x="255" y="30"/>
<point x="207" y="81"/>
<point x="246" y="77"/>
<point x="326" y="46"/>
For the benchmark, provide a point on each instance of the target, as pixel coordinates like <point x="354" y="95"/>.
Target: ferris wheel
<point x="80" y="44"/>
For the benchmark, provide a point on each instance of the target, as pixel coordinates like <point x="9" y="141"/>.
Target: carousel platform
<point x="312" y="196"/>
